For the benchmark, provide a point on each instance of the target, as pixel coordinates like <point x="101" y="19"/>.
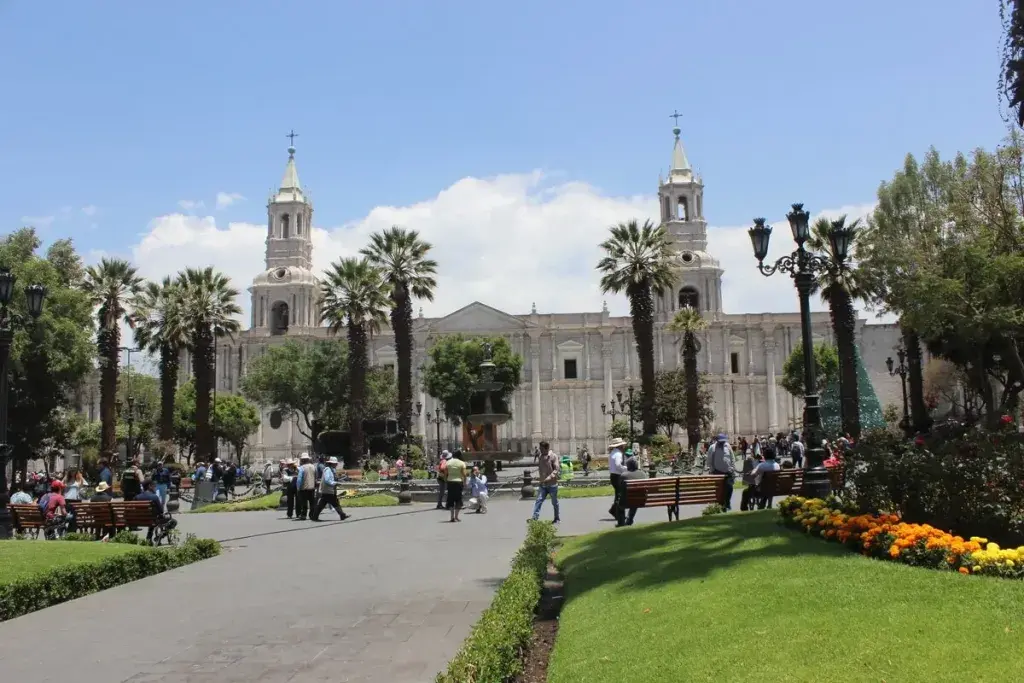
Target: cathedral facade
<point x="574" y="362"/>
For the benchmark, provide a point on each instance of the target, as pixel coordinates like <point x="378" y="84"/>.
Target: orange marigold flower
<point x="963" y="570"/>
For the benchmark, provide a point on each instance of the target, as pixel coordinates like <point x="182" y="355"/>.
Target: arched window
<point x="683" y="209"/>
<point x="285" y="227"/>
<point x="666" y="211"/>
<point x="689" y="297"/>
<point x="298" y="224"/>
<point x="279" y="318"/>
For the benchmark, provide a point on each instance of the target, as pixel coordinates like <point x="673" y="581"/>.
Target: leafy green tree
<point x="111" y="286"/>
<point x="354" y="299"/>
<point x="50" y="356"/>
<point x="1012" y="14"/>
<point x="208" y="312"/>
<point x="402" y="256"/>
<point x="185" y="421"/>
<point x="145" y="393"/>
<point x="671" y="401"/>
<point x="826" y="369"/>
<point x="236" y="420"/>
<point x="619" y="429"/>
<point x="454" y="369"/>
<point x="638" y="261"/>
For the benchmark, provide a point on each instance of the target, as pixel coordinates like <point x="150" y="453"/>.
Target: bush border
<point x="61" y="584"/>
<point x="494" y="649"/>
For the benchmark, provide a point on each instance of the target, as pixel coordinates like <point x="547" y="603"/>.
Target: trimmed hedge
<point x="494" y="649"/>
<point x="61" y="584"/>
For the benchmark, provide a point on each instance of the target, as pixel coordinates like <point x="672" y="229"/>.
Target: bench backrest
<point x="663" y="491"/>
<point x="790" y="482"/>
<point x="93" y="515"/>
<point x="355" y="475"/>
<point x="27" y="516"/>
<point x="134" y="513"/>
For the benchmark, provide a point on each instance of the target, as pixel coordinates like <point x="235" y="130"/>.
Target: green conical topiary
<point x="870" y="408"/>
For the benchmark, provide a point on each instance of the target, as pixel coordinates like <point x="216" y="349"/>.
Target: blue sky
<point x="126" y="109"/>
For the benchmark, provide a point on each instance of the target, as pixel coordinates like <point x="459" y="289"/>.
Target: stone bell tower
<point x="681" y="199"/>
<point x="285" y="295"/>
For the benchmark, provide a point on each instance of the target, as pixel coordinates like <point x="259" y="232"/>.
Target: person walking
<point x="162" y="479"/>
<point x="442" y="478"/>
<point x="455" y="477"/>
<point x="305" y="485"/>
<point x="329" y="492"/>
<point x="548" y="471"/>
<point x="288" y="486"/>
<point x="616" y="466"/>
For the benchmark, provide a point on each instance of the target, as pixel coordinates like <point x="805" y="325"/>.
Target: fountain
<point x="480" y="430"/>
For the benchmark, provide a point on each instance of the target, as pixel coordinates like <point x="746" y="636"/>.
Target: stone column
<point x="586" y="356"/>
<point x="773" y="407"/>
<point x="535" y="386"/>
<point x="572" y="422"/>
<point x="661" y="350"/>
<point x="606" y="358"/>
<point x="629" y="354"/>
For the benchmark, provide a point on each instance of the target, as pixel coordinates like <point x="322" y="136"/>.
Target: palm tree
<point x="155" y="322"/>
<point x="638" y="262"/>
<point x="402" y="256"/>
<point x="688" y="322"/>
<point x="207" y="313"/>
<point x="111" y="286"/>
<point x="840" y="287"/>
<point x="355" y="298"/>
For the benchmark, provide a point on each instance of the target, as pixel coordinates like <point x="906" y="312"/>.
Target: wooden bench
<point x="671" y="492"/>
<point x="186" y="484"/>
<point x="354" y="475"/>
<point x="791" y="482"/>
<point x="27" y="518"/>
<point x="134" y="514"/>
<point x="95" y="517"/>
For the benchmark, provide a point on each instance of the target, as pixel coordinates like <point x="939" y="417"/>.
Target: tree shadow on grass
<point x="643" y="557"/>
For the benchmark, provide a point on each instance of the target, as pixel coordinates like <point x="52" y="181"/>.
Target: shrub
<point x="127" y="537"/>
<point x="713" y="509"/>
<point x="60" y="584"/>
<point x="413" y="456"/>
<point x="371" y="476"/>
<point x="420" y="474"/>
<point x="78" y="536"/>
<point x="493" y="650"/>
<point x="968" y="481"/>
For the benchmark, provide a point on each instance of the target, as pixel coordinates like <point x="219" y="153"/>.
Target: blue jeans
<point x="543" y="491"/>
<point x="161" y="490"/>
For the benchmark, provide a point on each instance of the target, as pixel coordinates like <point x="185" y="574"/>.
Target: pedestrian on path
<point x="305" y="485"/>
<point x="616" y="466"/>
<point x="329" y="492"/>
<point x="455" y="477"/>
<point x="442" y="478"/>
<point x="548" y="471"/>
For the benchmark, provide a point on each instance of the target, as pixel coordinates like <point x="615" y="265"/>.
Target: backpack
<point x="43" y="500"/>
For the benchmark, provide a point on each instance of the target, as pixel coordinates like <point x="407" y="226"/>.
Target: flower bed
<point x="886" y="537"/>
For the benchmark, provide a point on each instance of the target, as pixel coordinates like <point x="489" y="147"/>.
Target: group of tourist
<point x="308" y="488"/>
<point x="454" y="476"/>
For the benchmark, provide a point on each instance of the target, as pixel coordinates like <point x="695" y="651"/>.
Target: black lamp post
<point x="415" y="412"/>
<point x="615" y="409"/>
<point x="803" y="266"/>
<point x="902" y="371"/>
<point x="10" y="319"/>
<point x="437" y="420"/>
<point x="629" y="390"/>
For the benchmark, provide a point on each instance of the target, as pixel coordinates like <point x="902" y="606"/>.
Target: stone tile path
<point x="387" y="596"/>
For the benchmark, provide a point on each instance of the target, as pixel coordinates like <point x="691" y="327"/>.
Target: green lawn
<point x="19" y="559"/>
<point x="738" y="598"/>
<point x="271" y="501"/>
<point x="589" y="492"/>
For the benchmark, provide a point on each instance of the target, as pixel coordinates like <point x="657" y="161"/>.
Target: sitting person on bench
<point x="633" y="471"/>
<point x="149" y="494"/>
<point x="769" y="465"/>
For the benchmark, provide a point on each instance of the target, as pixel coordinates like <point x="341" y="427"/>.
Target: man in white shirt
<point x="616" y="466"/>
<point x="720" y="461"/>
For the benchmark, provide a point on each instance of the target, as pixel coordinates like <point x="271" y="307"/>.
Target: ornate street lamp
<point x="615" y="409"/>
<point x="437" y="420"/>
<point x="9" y="320"/>
<point x="902" y="371"/>
<point x="803" y="266"/>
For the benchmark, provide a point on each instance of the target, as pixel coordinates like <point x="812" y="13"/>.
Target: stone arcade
<point x="574" y="362"/>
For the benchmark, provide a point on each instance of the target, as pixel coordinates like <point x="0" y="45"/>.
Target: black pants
<point x="749" y="498"/>
<point x="304" y="503"/>
<point x="616" y="487"/>
<point x="325" y="500"/>
<point x="289" y="493"/>
<point x="442" y="487"/>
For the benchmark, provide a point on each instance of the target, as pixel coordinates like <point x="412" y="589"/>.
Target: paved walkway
<point x="386" y="596"/>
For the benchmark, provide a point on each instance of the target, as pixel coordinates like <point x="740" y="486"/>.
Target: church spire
<point x="290" y="189"/>
<point x="680" y="164"/>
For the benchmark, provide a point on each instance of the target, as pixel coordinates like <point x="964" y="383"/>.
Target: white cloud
<point x="89" y="210"/>
<point x="226" y="199"/>
<point x="507" y="241"/>
<point x="38" y="222"/>
<point x="190" y="204"/>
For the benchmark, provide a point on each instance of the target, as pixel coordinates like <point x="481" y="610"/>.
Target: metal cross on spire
<point x="675" y="115"/>
<point x="291" y="137"/>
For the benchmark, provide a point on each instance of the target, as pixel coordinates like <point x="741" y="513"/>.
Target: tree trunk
<point x="919" y="419"/>
<point x="357" y="348"/>
<point x="844" y="321"/>
<point x="641" y="307"/>
<point x="401" y="325"/>
<point x="169" y="362"/>
<point x="202" y="372"/>
<point x="107" y="342"/>
<point x="692" y="392"/>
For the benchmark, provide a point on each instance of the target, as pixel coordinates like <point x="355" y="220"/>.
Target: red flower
<point x="919" y="441"/>
<point x="1006" y="419"/>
